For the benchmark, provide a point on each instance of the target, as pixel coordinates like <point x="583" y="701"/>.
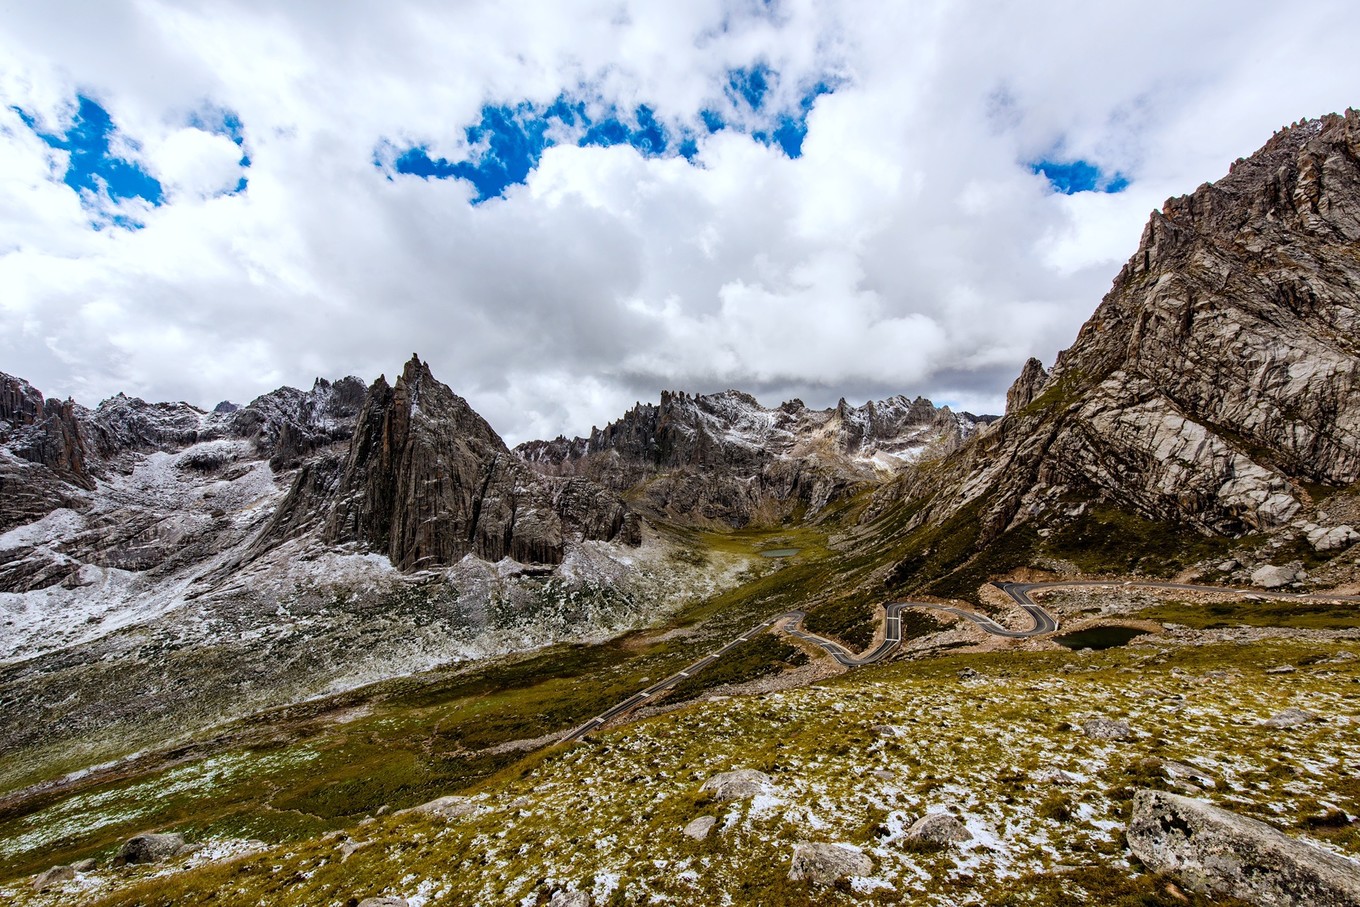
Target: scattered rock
<point x="1107" y="729"/>
<point x="383" y="902"/>
<point x="1324" y="539"/>
<point x="1272" y="577"/>
<point x="1281" y="669"/>
<point x="938" y="828"/>
<point x="1291" y="718"/>
<point x="349" y="848"/>
<point x="569" y="899"/>
<point x="86" y="865"/>
<point x="884" y="774"/>
<point x="445" y="807"/>
<point x="887" y="731"/>
<point x="700" y="827"/>
<point x="822" y="864"/>
<point x="150" y="848"/>
<point x="1055" y="776"/>
<point x="967" y="674"/>
<point x="737" y="785"/>
<point x="1184" y="774"/>
<point x="1216" y="852"/>
<point x="53" y="877"/>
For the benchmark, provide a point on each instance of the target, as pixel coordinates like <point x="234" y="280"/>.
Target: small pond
<point x="780" y="552"/>
<point x="1107" y="637"/>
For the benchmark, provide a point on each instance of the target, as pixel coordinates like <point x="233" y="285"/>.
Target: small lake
<point x="1099" y="637"/>
<point x="780" y="552"/>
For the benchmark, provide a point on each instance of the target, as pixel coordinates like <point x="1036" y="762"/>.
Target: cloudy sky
<point x="568" y="206"/>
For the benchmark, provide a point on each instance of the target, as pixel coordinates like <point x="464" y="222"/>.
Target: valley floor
<point x="993" y="738"/>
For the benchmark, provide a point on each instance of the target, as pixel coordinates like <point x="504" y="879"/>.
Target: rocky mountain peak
<point x="1220" y="374"/>
<point x="694" y="456"/>
<point x="427" y="481"/>
<point x="1026" y="387"/>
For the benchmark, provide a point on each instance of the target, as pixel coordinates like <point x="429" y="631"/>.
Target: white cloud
<point x="194" y="164"/>
<point x="908" y="250"/>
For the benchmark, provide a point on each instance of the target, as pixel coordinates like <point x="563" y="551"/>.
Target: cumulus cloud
<point x="908" y="246"/>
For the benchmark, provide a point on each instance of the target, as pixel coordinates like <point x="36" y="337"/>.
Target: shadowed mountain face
<point x="1218" y="379"/>
<point x="726" y="459"/>
<point x="428" y="481"/>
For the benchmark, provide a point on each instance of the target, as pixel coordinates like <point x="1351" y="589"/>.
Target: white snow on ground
<point x="57" y="526"/>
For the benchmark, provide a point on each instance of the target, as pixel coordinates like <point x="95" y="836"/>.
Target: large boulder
<point x="150" y="848"/>
<point x="1273" y="577"/>
<point x="1107" y="729"/>
<point x="1332" y="539"/>
<point x="1219" y="853"/>
<point x="700" y="827"/>
<point x="737" y="785"/>
<point x="822" y="864"/>
<point x="1290" y="718"/>
<point x="938" y="828"/>
<point x="54" y="877"/>
<point x="569" y="899"/>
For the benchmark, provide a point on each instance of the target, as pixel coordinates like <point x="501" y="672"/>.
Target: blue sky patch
<point x="1071" y="177"/>
<point x="790" y="128"/>
<point x="508" y="141"/>
<point x="750" y="85"/>
<point x="94" y="170"/>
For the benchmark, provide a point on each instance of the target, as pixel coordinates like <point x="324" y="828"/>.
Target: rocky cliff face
<point x="1217" y="381"/>
<point x="427" y="481"/>
<point x="725" y="458"/>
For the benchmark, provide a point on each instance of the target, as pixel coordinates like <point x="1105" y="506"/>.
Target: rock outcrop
<point x="737" y="785"/>
<point x="1033" y="377"/>
<point x="1220" y="377"/>
<point x="938" y="828"/>
<point x="150" y="848"/>
<point x="1216" y="852"/>
<point x="699" y="828"/>
<point x="822" y="864"/>
<point x="426" y="481"/>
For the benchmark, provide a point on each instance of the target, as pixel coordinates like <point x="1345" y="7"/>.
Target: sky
<point x="566" y="207"/>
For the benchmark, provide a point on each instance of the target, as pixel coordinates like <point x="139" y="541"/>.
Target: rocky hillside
<point x="1217" y="385"/>
<point x="206" y="565"/>
<point x="724" y="458"/>
<point x="426" y="481"/>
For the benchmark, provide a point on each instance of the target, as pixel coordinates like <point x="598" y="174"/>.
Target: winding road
<point x="1044" y="623"/>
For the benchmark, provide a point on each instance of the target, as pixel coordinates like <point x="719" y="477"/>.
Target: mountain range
<point x="181" y="587"/>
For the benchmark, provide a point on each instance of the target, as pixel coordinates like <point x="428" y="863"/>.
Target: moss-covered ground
<point x="854" y="761"/>
<point x="613" y="808"/>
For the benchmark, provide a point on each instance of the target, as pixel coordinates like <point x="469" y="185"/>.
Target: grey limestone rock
<point x="700" y="827"/>
<point x="451" y="807"/>
<point x="1273" y="577"/>
<point x="150" y="848"/>
<point x="570" y="899"/>
<point x="54" y="877"/>
<point x="1332" y="539"/>
<point x="938" y="828"/>
<point x="822" y="864"/>
<point x="1290" y="718"/>
<point x="1107" y="729"/>
<point x="737" y="785"/>
<point x="384" y="901"/>
<point x="1217" y="852"/>
<point x="1029" y="385"/>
